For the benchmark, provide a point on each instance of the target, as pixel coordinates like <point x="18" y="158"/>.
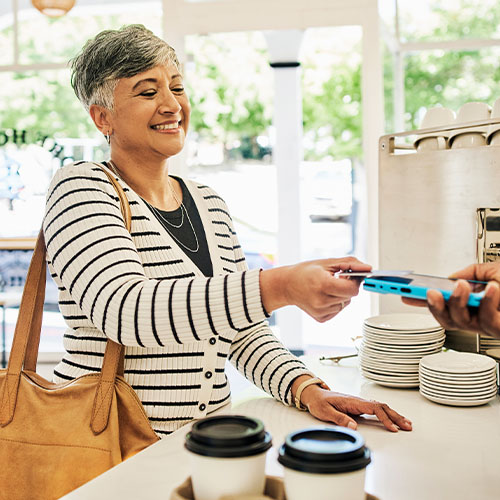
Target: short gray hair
<point x="115" y="54"/>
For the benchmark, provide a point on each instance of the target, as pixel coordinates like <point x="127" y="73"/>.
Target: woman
<point x="175" y="290"/>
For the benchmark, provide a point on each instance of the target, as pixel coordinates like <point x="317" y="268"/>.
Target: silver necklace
<point x="162" y="220"/>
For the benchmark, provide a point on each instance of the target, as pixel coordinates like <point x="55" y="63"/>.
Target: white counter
<point x="452" y="453"/>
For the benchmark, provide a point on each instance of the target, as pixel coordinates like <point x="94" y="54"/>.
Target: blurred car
<point x="328" y="191"/>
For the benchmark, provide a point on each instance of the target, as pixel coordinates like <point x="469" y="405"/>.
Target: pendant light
<point x="53" y="8"/>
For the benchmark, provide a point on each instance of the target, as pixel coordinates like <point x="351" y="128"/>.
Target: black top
<point x="184" y="234"/>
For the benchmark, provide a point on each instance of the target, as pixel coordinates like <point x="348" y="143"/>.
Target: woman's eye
<point x="178" y="89"/>
<point x="149" y="93"/>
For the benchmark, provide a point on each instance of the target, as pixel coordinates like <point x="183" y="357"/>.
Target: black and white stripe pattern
<point x="140" y="289"/>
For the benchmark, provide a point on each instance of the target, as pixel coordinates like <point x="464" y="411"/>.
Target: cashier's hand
<point x="335" y="407"/>
<point x="312" y="286"/>
<point x="455" y="314"/>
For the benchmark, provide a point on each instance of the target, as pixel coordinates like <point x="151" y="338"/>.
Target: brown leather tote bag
<point x="55" y="437"/>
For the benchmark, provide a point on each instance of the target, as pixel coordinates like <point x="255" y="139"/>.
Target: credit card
<point x="364" y="274"/>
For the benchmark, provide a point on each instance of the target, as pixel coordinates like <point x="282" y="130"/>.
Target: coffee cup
<point x="431" y="143"/>
<point x="433" y="118"/>
<point x="471" y="136"/>
<point x="329" y="461"/>
<point x="493" y="133"/>
<point x="228" y="456"/>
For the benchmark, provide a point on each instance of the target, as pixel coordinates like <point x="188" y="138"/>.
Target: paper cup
<point x="324" y="463"/>
<point x="228" y="456"/>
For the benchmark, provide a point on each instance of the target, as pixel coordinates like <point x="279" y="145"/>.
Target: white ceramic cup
<point x="213" y="477"/>
<point x="468" y="140"/>
<point x="228" y="456"/>
<point x="324" y="463"/>
<point x="434" y="118"/>
<point x="493" y="134"/>
<point x="473" y="112"/>
<point x="494" y="138"/>
<point x="431" y="143"/>
<point x="470" y="137"/>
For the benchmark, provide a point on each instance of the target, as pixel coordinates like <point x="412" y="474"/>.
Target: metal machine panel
<point x="428" y="207"/>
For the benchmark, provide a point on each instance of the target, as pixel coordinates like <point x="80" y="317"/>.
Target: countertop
<point x="452" y="452"/>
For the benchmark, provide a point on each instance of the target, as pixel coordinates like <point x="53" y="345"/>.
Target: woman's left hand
<point x="335" y="407"/>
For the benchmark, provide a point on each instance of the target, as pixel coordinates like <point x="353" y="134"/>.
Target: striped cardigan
<point x="141" y="290"/>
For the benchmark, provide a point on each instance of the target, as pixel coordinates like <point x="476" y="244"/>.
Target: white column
<point x="174" y="36"/>
<point x="372" y="97"/>
<point x="287" y="156"/>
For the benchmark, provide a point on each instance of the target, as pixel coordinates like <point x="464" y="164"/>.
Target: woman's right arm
<point x="97" y="262"/>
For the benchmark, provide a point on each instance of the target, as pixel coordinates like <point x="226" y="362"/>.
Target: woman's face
<point x="151" y="113"/>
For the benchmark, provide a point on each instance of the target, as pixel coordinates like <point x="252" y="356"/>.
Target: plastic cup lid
<point x="228" y="436"/>
<point x="324" y="450"/>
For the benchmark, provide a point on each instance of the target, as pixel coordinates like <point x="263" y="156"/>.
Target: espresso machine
<point x="439" y="211"/>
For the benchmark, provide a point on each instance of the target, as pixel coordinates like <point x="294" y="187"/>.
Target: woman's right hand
<point x="312" y="286"/>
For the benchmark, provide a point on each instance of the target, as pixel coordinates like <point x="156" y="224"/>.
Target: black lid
<point x="228" y="436"/>
<point x="324" y="450"/>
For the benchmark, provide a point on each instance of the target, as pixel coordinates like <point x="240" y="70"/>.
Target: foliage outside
<point x="230" y="82"/>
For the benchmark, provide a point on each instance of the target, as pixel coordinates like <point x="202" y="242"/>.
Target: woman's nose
<point x="169" y="103"/>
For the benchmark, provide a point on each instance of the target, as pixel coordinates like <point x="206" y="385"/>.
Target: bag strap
<point x="113" y="362"/>
<point x="24" y="351"/>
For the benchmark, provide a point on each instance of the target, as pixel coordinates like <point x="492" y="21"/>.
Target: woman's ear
<point x="101" y="118"/>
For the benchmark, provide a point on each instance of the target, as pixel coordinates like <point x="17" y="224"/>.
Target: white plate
<point x="468" y="384"/>
<point x="392" y="360"/>
<point x="403" y="344"/>
<point x="388" y="378"/>
<point x="403" y="321"/>
<point x="404" y="347"/>
<point x="457" y="402"/>
<point x="410" y="358"/>
<point x="388" y="366"/>
<point x="388" y="371"/>
<point x="399" y="385"/>
<point x="488" y="395"/>
<point x="458" y="362"/>
<point x="402" y="351"/>
<point x="403" y="333"/>
<point x="472" y="394"/>
<point x="456" y="376"/>
<point x="407" y="340"/>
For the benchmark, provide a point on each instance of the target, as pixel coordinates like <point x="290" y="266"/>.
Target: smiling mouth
<point x="167" y="126"/>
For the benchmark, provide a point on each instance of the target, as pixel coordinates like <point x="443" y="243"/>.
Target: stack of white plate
<point x="393" y="345"/>
<point x="458" y="378"/>
<point x="486" y="342"/>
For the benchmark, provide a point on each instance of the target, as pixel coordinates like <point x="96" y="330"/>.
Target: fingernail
<point x="394" y="428"/>
<point x="352" y="425"/>
<point x="491" y="288"/>
<point x="430" y="301"/>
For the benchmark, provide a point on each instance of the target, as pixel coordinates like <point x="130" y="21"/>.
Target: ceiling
<point x="6" y="6"/>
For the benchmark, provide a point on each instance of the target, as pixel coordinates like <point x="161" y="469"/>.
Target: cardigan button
<point x="202" y="407"/>
<point x="212" y="341"/>
<point x="208" y="375"/>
